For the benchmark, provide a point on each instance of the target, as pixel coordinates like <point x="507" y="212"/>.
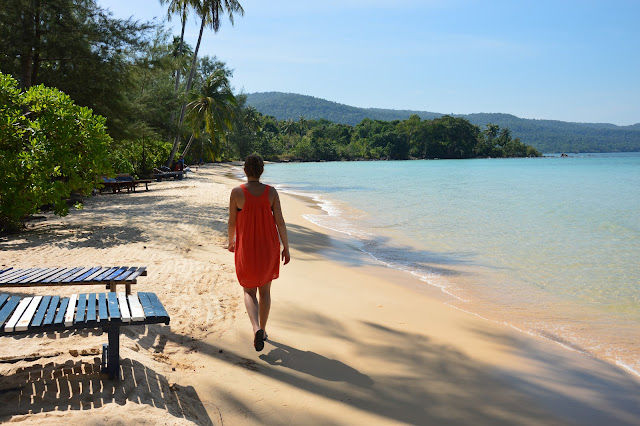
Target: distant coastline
<point x="544" y="135"/>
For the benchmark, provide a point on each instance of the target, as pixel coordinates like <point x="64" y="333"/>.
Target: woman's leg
<point x="251" y="303"/>
<point x="265" y="306"/>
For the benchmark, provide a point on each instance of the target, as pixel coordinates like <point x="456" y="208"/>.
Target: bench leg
<point x="111" y="353"/>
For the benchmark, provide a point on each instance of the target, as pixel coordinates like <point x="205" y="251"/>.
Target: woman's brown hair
<point x="253" y="166"/>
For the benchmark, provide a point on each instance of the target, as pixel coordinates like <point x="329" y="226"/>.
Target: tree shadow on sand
<point x="431" y="383"/>
<point x="132" y="218"/>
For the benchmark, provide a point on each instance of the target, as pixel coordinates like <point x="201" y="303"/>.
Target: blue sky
<point x="561" y="60"/>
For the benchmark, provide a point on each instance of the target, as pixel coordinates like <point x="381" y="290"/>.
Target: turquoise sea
<point x="548" y="245"/>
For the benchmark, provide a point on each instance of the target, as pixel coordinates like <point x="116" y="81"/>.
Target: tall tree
<point x="213" y="105"/>
<point x="209" y="12"/>
<point x="75" y="46"/>
<point x="180" y="7"/>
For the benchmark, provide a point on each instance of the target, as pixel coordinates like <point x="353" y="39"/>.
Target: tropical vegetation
<point x="85" y="94"/>
<point x="544" y="135"/>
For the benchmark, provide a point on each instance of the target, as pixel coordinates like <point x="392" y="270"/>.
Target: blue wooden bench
<point x="109" y="276"/>
<point x="106" y="311"/>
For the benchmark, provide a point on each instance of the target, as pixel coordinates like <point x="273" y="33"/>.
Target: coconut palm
<point x="180" y="7"/>
<point x="212" y="105"/>
<point x="209" y="12"/>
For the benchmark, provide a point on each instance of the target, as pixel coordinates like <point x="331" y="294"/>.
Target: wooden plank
<point x="25" y="319"/>
<point x="3" y="298"/>
<point x="115" y="274"/>
<point x="12" y="273"/>
<point x="46" y="273"/>
<point x="42" y="310"/>
<point x="87" y="274"/>
<point x="22" y="306"/>
<point x="62" y="277"/>
<point x="62" y="310"/>
<point x="75" y="275"/>
<point x="42" y="274"/>
<point x="16" y="273"/>
<point x="82" y="308"/>
<point x="102" y="307"/>
<point x="106" y="273"/>
<point x="51" y="312"/>
<point x="55" y="275"/>
<point x="90" y="277"/>
<point x="137" y="313"/>
<point x="71" y="311"/>
<point x="124" y="307"/>
<point x="146" y="305"/>
<point x="142" y="271"/>
<point x="27" y="275"/>
<point x="91" y="307"/>
<point x="158" y="307"/>
<point x="8" y="309"/>
<point x="127" y="273"/>
<point x="114" y="311"/>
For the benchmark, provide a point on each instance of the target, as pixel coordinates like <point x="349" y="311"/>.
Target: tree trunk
<point x="188" y="145"/>
<point x="184" y="21"/>
<point x="36" y="44"/>
<point x="175" y="89"/>
<point x="26" y="58"/>
<point x="176" y="141"/>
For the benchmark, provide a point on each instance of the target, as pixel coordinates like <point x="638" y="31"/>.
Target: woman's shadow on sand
<point x="315" y="365"/>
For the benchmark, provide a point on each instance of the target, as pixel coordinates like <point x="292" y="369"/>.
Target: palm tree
<point x="212" y="105"/>
<point x="491" y="131"/>
<point x="178" y="7"/>
<point x="209" y="11"/>
<point x="252" y="119"/>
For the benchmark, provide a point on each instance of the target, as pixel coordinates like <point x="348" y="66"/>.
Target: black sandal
<point x="258" y="340"/>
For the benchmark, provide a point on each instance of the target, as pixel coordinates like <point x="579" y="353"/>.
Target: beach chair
<point x="127" y="179"/>
<point x="107" y="311"/>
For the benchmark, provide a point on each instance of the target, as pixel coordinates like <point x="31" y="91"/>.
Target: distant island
<point x="544" y="135"/>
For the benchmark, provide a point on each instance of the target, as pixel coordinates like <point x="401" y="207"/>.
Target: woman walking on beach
<point x="256" y="227"/>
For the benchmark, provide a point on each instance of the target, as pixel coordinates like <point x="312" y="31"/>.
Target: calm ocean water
<point x="548" y="245"/>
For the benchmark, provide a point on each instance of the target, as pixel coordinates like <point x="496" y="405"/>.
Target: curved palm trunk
<point x="186" y="149"/>
<point x="176" y="141"/>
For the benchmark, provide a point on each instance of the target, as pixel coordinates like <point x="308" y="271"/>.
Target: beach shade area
<point x="350" y="341"/>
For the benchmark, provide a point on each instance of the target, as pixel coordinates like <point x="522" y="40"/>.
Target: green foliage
<point x="49" y="149"/>
<point x="212" y="105"/>
<point x="322" y="140"/>
<point x="545" y="135"/>
<point x="77" y="47"/>
<point x="138" y="157"/>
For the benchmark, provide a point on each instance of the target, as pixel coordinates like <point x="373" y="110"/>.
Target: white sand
<point x="351" y="342"/>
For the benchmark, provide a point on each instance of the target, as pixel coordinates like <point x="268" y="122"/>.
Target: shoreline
<point x="556" y="325"/>
<point x="348" y="343"/>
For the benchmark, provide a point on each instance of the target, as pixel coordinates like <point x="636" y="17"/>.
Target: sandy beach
<point x="350" y="341"/>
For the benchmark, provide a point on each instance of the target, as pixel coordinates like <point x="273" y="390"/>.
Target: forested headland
<point x="84" y="95"/>
<point x="544" y="135"/>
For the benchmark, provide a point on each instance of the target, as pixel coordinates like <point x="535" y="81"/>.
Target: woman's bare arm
<point x="233" y="217"/>
<point x="282" y="226"/>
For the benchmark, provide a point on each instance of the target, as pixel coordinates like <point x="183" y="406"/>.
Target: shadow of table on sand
<point x="80" y="386"/>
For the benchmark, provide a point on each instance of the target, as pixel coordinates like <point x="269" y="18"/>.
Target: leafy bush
<point x="138" y="157"/>
<point x="49" y="149"/>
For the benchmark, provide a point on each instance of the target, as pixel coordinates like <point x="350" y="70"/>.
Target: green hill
<point x="544" y="135"/>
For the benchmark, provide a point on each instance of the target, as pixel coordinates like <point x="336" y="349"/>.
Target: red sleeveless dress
<point x="257" y="241"/>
